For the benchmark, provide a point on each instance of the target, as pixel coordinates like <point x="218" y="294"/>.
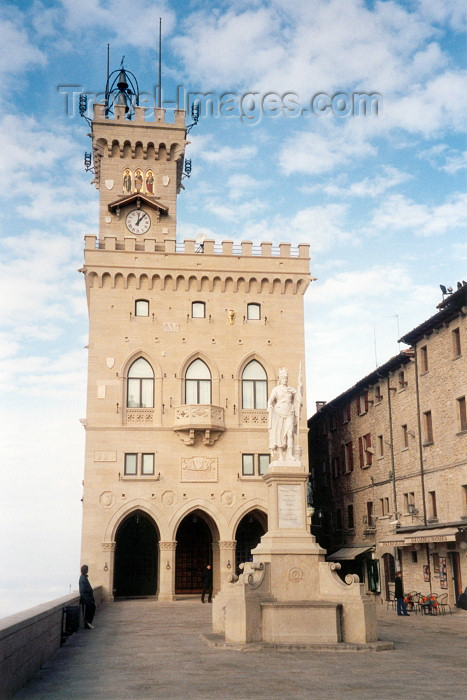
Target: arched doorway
<point x="136" y="557"/>
<point x="249" y="532"/>
<point x="193" y="553"/>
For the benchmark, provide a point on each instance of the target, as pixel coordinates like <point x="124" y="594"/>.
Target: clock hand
<point x="142" y="215"/>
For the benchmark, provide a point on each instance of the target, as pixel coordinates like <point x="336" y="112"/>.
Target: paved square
<point x="142" y="649"/>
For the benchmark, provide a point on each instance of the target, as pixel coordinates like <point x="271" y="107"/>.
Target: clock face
<point x="138" y="221"/>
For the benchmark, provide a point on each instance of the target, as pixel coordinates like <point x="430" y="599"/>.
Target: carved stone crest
<point x="199" y="469"/>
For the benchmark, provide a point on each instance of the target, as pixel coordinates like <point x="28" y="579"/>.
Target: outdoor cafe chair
<point x="443" y="604"/>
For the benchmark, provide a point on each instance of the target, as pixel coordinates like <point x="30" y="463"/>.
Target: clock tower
<point x="185" y="344"/>
<point x="138" y="165"/>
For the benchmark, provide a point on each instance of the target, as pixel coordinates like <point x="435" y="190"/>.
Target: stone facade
<point x="185" y="342"/>
<point x="389" y="463"/>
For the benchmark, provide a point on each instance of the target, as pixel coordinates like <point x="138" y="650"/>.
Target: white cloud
<point x="366" y="309"/>
<point x="18" y="50"/>
<point x="398" y="213"/>
<point x="241" y="184"/>
<point x="235" y="212"/>
<point x="313" y="153"/>
<point x="228" y="156"/>
<point x="452" y="13"/>
<point x="439" y="105"/>
<point x="37" y="300"/>
<point x="130" y="23"/>
<point x="441" y="157"/>
<point x="320" y="226"/>
<point x="368" y="187"/>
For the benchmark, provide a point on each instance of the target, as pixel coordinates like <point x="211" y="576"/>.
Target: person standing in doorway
<point x="206" y="580"/>
<point x="399" y="595"/>
<point x="86" y="598"/>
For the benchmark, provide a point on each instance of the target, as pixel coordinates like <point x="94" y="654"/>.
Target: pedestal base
<point x="301" y="622"/>
<point x="289" y="594"/>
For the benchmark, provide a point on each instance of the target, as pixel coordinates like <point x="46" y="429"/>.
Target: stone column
<point x="108" y="565"/>
<point x="166" y="571"/>
<point x="226" y="562"/>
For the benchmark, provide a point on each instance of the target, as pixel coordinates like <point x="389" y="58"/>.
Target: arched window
<point x="254" y="386"/>
<point x="140" y="385"/>
<point x="198" y="383"/>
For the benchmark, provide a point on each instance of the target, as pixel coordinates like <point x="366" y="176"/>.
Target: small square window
<point x="424" y="358"/>
<point x="462" y="413"/>
<point x="428" y="426"/>
<point x="380" y="446"/>
<point x="263" y="463"/>
<point x="141" y="307"/>
<point x="198" y="309"/>
<point x="348" y="457"/>
<point x="456" y="342"/>
<point x="147" y="464"/>
<point x="405" y="437"/>
<point x="131" y="464"/>
<point x="253" y="312"/>
<point x="248" y="465"/>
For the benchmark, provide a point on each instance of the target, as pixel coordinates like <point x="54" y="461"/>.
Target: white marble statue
<point x="284" y="417"/>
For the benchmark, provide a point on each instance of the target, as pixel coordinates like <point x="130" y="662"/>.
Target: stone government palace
<point x="185" y="345"/>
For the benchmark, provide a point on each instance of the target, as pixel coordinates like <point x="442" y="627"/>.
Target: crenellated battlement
<point x="224" y="267"/>
<point x="190" y="247"/>
<point x="119" y="116"/>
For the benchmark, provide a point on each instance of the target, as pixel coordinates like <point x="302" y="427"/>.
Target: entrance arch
<point x="249" y="532"/>
<point x="136" y="556"/>
<point x="193" y="553"/>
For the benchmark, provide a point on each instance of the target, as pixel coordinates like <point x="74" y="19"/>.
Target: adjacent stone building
<point x="388" y="461"/>
<point x="185" y="343"/>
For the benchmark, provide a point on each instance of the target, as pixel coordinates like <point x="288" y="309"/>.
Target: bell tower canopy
<point x="121" y="89"/>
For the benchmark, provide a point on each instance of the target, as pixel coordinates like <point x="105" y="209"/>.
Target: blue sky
<point x="380" y="198"/>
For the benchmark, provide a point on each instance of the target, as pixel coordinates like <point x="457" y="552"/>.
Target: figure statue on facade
<point x="284" y="417"/>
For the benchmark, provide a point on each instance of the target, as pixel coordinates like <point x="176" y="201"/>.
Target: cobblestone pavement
<point x="142" y="649"/>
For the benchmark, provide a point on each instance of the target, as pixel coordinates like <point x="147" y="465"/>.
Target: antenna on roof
<point x="108" y="65"/>
<point x="159" y="96"/>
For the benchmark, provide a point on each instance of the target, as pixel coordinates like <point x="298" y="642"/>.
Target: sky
<point x="288" y="153"/>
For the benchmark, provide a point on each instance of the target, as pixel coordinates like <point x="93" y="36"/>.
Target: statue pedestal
<point x="289" y="594"/>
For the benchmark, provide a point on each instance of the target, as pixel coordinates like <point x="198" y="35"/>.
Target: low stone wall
<point x="29" y="638"/>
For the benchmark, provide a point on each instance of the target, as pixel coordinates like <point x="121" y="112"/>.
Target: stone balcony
<point x="191" y="419"/>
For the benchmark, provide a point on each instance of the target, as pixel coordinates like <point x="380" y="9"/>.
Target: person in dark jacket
<point x="399" y="595"/>
<point x="86" y="598"/>
<point x="206" y="580"/>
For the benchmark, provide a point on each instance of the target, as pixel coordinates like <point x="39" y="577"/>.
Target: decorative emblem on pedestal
<point x="295" y="574"/>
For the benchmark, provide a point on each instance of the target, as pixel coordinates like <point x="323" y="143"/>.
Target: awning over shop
<point x="348" y="553"/>
<point x="444" y="534"/>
